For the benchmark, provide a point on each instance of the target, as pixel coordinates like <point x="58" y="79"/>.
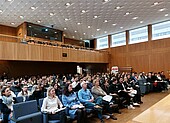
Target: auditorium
<point x="84" y="61"/>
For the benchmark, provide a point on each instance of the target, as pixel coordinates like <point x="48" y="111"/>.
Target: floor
<point x="131" y="116"/>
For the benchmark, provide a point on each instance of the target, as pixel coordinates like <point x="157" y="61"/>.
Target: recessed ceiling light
<point x="55" y="32"/>
<point x="134" y="18"/>
<point x="92" y="35"/>
<point x="105" y="0"/>
<point x="9" y="0"/>
<point x="68" y="4"/>
<point x="114" y="24"/>
<point x="12" y="23"/>
<point x="35" y="34"/>
<point x="166" y="15"/>
<point x="95" y="16"/>
<point x="98" y="29"/>
<point x="39" y="21"/>
<point x="118" y="7"/>
<point x="51" y="13"/>
<point x="21" y="16"/>
<point x="105" y="31"/>
<point x="75" y="31"/>
<point x="81" y="38"/>
<point x="88" y="26"/>
<point x="65" y="28"/>
<point x="105" y="21"/>
<point x="78" y="23"/>
<point x="121" y="27"/>
<point x="141" y="21"/>
<point x="1" y="11"/>
<point x="84" y="33"/>
<point x="155" y="3"/>
<point x="83" y="11"/>
<point x="127" y="13"/>
<point x="66" y="19"/>
<point x="33" y="7"/>
<point x="64" y="35"/>
<point x="73" y="36"/>
<point x="163" y="9"/>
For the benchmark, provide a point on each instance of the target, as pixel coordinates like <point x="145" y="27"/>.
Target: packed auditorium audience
<point x="101" y="93"/>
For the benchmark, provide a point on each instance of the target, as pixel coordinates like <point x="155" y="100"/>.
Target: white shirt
<point x="51" y="104"/>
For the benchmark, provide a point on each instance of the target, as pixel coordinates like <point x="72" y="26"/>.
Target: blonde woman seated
<point x="24" y="93"/>
<point x="53" y="106"/>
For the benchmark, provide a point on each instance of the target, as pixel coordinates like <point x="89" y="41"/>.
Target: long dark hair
<point x="66" y="91"/>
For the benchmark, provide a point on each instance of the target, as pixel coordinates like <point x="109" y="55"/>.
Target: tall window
<point x="138" y="35"/>
<point x="118" y="39"/>
<point x="102" y="42"/>
<point x="161" y="30"/>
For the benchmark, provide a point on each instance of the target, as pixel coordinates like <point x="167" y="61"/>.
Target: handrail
<point x="31" y="40"/>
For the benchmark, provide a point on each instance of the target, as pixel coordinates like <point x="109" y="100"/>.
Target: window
<point x="102" y="43"/>
<point x="118" y="39"/>
<point x="161" y="30"/>
<point x="138" y="35"/>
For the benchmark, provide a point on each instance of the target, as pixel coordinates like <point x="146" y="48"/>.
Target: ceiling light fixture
<point x="95" y="16"/>
<point x="84" y="33"/>
<point x="75" y="31"/>
<point x="12" y="23"/>
<point x="105" y="21"/>
<point x="118" y="7"/>
<point x="78" y="23"/>
<point x="83" y="11"/>
<point x="68" y="4"/>
<point x="163" y="9"/>
<point x="1" y="11"/>
<point x="92" y="35"/>
<point x="39" y="21"/>
<point x="98" y="29"/>
<point x="141" y="21"/>
<point x="51" y="13"/>
<point x="66" y="19"/>
<point x="127" y="13"/>
<point x="114" y="24"/>
<point x="105" y="31"/>
<point x="89" y="27"/>
<point x="106" y="0"/>
<point x="121" y="27"/>
<point x="134" y="18"/>
<point x="81" y="38"/>
<point x="55" y="32"/>
<point x="21" y="16"/>
<point x="73" y="36"/>
<point x="166" y="15"/>
<point x="65" y="28"/>
<point x="33" y="7"/>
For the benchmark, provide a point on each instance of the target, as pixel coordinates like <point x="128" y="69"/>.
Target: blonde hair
<point x="48" y="90"/>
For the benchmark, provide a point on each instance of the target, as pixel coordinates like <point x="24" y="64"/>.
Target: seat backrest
<point x="19" y="99"/>
<point x="41" y="102"/>
<point x="24" y="108"/>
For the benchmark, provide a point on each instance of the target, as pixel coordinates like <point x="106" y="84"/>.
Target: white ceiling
<point x="144" y="10"/>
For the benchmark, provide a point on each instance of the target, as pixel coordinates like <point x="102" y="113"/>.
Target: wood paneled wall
<point x="31" y="52"/>
<point x="6" y="30"/>
<point x="146" y="56"/>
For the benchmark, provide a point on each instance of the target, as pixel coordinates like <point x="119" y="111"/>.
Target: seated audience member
<point x="16" y="87"/>
<point x="57" y="88"/>
<point x="53" y="106"/>
<point x="24" y="93"/>
<point x="133" y="89"/>
<point x="37" y="93"/>
<point x="71" y="101"/>
<point x="6" y="103"/>
<point x="97" y="91"/>
<point x="119" y="89"/>
<point x="87" y="99"/>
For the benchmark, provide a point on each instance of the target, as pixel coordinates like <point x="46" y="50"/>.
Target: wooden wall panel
<point x="35" y="53"/>
<point x="73" y="42"/>
<point x="146" y="56"/>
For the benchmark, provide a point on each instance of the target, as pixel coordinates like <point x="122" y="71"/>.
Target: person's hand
<point x="91" y="100"/>
<point x="53" y="112"/>
<point x="11" y="114"/>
